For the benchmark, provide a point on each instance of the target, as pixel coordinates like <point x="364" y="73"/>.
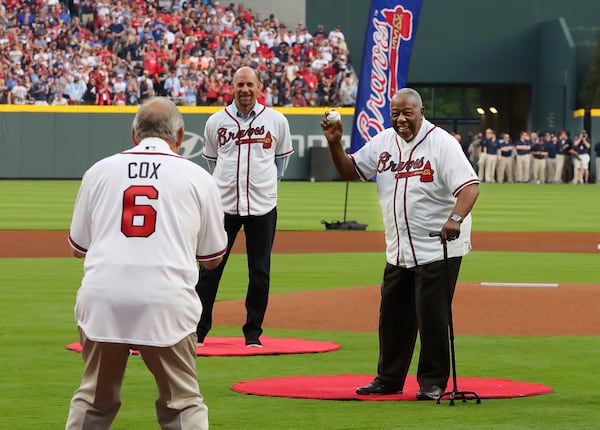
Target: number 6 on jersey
<point x="132" y="213"/>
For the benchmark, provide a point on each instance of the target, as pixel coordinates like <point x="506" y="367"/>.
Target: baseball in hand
<point x="333" y="116"/>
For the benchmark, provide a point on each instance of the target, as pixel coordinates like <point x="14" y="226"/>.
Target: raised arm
<point x="342" y="162"/>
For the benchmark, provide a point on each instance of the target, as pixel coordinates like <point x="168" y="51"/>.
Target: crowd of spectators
<point x="121" y="52"/>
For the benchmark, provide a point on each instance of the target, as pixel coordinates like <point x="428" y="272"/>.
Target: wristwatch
<point x="456" y="218"/>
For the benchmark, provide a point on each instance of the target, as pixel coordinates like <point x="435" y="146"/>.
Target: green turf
<point x="531" y="207"/>
<point x="38" y="375"/>
<point x="41" y="205"/>
<point x="304" y="272"/>
<point x="530" y="267"/>
<point x="500" y="207"/>
<point x="36" y="205"/>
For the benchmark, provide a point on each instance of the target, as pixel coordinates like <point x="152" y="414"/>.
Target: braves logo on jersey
<point x="266" y="141"/>
<point x="406" y="169"/>
<point x="245" y="136"/>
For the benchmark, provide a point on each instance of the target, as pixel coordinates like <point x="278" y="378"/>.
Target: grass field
<point x="38" y="375"/>
<point x="47" y="205"/>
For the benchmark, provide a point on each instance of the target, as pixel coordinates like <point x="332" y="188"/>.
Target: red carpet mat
<point x="235" y="346"/>
<point x="342" y="387"/>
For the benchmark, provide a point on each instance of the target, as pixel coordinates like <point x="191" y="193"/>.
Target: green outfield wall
<point x="62" y="142"/>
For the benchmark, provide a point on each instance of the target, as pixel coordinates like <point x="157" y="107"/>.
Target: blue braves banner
<point x="388" y="43"/>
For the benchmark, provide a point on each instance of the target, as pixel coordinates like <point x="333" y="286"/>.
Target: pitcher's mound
<point x="342" y="387"/>
<point x="235" y="346"/>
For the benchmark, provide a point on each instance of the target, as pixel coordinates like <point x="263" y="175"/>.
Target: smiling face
<point x="406" y="110"/>
<point x="245" y="89"/>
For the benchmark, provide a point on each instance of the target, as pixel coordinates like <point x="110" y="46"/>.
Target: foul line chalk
<point x="519" y="284"/>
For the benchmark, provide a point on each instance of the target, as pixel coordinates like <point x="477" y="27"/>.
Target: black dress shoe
<point x="433" y="393"/>
<point x="254" y="343"/>
<point x="376" y="387"/>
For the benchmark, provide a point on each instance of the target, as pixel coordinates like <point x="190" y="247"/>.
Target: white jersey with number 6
<point x="143" y="217"/>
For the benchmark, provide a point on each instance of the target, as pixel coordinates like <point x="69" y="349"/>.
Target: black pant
<point x="259" y="232"/>
<point x="416" y="301"/>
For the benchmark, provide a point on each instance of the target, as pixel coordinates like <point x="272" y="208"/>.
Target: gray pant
<point x="179" y="405"/>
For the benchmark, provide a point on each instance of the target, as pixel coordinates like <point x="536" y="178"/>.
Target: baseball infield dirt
<point x="568" y="309"/>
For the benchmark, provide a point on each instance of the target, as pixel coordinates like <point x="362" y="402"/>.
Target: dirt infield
<point x="569" y="309"/>
<point x="53" y="243"/>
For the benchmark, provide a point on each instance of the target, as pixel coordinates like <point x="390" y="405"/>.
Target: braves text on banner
<point x="388" y="42"/>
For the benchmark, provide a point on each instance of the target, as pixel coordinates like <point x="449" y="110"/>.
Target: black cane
<point x="455" y="392"/>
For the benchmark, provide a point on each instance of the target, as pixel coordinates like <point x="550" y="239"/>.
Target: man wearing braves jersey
<point x="247" y="146"/>
<point x="142" y="219"/>
<point x="425" y="184"/>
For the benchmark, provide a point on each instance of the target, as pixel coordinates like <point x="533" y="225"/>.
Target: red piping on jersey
<point x="412" y="246"/>
<point x="237" y="183"/>
<point x="461" y="186"/>
<point x="237" y="175"/>
<point x="361" y="174"/>
<point x="285" y="154"/>
<point x="237" y="200"/>
<point x="151" y="153"/>
<point x="211" y="256"/>
<point x="396" y="223"/>
<point x="76" y="246"/>
<point x="248" y="179"/>
<point x="398" y="243"/>
<point x="248" y="171"/>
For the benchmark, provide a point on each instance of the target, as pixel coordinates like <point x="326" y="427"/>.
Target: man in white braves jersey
<point x="142" y="219"/>
<point x="247" y="146"/>
<point x="425" y="184"/>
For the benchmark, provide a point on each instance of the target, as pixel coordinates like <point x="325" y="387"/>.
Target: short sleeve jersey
<point x="245" y="151"/>
<point x="143" y="217"/>
<point x="417" y="184"/>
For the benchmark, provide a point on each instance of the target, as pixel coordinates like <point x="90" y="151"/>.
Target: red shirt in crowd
<point x="311" y="78"/>
<point x="104" y="96"/>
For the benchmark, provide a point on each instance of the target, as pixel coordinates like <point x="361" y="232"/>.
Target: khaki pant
<point x="481" y="166"/>
<point x="539" y="170"/>
<point x="551" y="164"/>
<point x="560" y="165"/>
<point x="87" y="19"/>
<point x="179" y="405"/>
<point x="522" y="173"/>
<point x="490" y="167"/>
<point x="504" y="168"/>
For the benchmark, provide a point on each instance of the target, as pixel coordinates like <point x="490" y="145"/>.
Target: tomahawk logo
<point x="385" y="65"/>
<point x="399" y="23"/>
